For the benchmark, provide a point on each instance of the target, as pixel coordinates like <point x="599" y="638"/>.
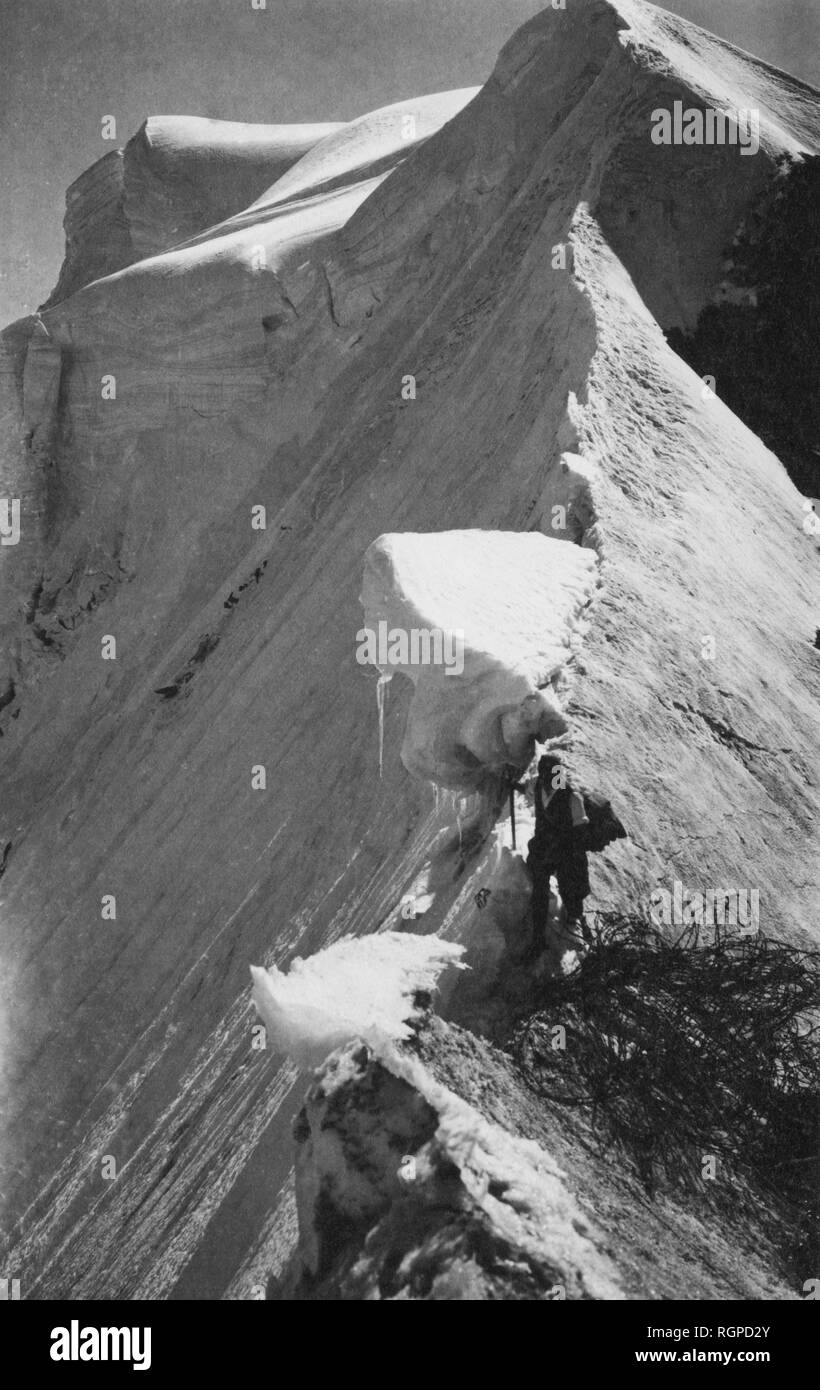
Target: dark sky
<point x="67" y="63"/>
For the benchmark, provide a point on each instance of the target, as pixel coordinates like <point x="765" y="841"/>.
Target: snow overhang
<point x="483" y="623"/>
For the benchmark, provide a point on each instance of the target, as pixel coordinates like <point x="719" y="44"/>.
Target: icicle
<point x="381" y="689"/>
<point x="460" y="805"/>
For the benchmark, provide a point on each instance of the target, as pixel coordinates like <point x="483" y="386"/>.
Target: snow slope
<point x="263" y="366"/>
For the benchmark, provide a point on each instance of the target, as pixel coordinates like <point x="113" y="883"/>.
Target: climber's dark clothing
<point x="558" y="847"/>
<point x="572" y="876"/>
<point x="560" y="819"/>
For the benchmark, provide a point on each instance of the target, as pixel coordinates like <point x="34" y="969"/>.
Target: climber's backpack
<point x="604" y="826"/>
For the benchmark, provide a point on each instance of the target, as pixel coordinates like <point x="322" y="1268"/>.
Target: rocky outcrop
<point x="404" y="1192"/>
<point x="433" y="1175"/>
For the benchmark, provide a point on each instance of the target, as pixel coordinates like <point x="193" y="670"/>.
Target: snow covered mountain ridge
<point x="208" y="426"/>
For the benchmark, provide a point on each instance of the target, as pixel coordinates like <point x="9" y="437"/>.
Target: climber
<point x="559" y="846"/>
<point x="570" y="822"/>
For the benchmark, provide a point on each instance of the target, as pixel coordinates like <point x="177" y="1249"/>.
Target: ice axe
<point x="512" y="785"/>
